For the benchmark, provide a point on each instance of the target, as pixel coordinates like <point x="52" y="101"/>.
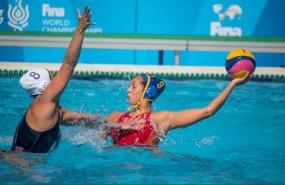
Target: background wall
<point x="215" y="18"/>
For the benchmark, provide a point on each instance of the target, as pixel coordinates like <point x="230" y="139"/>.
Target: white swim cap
<point x="35" y="81"/>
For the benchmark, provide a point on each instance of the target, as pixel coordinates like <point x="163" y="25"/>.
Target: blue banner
<point x="177" y="17"/>
<point x="235" y="18"/>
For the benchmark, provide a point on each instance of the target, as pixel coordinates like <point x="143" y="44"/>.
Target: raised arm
<point x="58" y="84"/>
<point x="171" y="120"/>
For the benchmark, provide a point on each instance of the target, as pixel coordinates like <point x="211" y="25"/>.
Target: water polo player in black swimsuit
<point x="39" y="129"/>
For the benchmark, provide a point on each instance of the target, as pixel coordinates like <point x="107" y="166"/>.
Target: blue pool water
<point x="242" y="143"/>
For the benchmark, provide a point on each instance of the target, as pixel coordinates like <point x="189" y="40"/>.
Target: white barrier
<point x="145" y="44"/>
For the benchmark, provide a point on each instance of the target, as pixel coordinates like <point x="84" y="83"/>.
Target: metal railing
<point x="145" y="44"/>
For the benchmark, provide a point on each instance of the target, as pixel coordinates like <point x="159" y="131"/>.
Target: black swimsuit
<point x="29" y="140"/>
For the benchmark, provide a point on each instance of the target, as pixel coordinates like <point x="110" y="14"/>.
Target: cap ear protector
<point x="153" y="88"/>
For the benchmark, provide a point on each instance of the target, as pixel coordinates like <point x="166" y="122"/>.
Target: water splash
<point x="205" y="141"/>
<point x="80" y="135"/>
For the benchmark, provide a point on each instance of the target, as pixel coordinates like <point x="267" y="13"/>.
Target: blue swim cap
<point x="154" y="87"/>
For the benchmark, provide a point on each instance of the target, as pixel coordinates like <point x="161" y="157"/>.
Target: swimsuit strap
<point x="56" y="142"/>
<point x="123" y="116"/>
<point x="38" y="135"/>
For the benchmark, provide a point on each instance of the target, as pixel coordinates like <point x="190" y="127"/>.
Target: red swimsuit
<point x="143" y="137"/>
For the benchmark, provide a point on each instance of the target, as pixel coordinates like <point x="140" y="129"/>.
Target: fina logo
<point x="18" y="16"/>
<point x="232" y="12"/>
<point x="52" y="11"/>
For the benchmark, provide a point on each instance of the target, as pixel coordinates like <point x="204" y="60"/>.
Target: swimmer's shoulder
<point x="114" y="116"/>
<point x="162" y="119"/>
<point x="161" y="115"/>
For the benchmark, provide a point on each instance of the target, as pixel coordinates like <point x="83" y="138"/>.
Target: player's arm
<point x="58" y="84"/>
<point x="190" y="116"/>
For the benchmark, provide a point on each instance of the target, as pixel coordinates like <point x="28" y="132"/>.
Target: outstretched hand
<point x="136" y="124"/>
<point x="243" y="80"/>
<point x="132" y="124"/>
<point x="84" y="20"/>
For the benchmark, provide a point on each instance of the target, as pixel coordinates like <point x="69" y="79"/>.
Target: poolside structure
<point x="178" y="72"/>
<point x="177" y="44"/>
<point x="265" y="45"/>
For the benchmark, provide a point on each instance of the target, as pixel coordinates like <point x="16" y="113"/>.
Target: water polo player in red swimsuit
<point x="143" y="90"/>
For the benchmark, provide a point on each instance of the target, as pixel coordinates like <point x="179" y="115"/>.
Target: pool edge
<point x="125" y="71"/>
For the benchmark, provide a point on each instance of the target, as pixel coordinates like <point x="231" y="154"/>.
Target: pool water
<point x="242" y="143"/>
